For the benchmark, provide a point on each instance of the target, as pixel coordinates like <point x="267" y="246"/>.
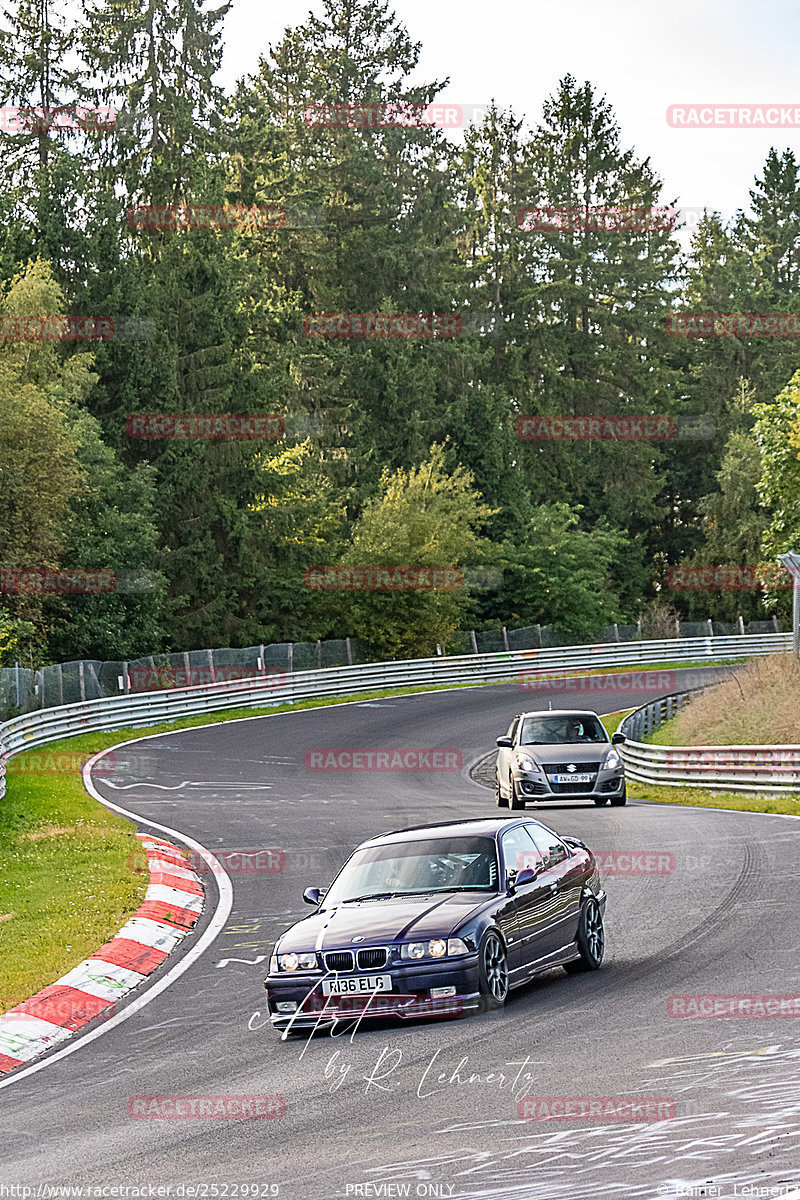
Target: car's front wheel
<point x="591" y="939"/>
<point x="493" y="971"/>
<point x="622" y="798"/>
<point x="502" y="801"/>
<point x="514" y="801"/>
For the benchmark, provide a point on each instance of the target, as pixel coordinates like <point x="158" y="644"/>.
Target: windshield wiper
<point x="372" y="896"/>
<point x="431" y="891"/>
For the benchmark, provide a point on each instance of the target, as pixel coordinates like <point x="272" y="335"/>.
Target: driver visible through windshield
<point x="549" y="730"/>
<point x="416" y="868"/>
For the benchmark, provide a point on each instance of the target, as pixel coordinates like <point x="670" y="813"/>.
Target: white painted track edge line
<point x="212" y="930"/>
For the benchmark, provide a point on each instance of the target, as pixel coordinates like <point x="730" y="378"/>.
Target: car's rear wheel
<point x="502" y="801"/>
<point x="515" y="801"/>
<point x="493" y="971"/>
<point x="591" y="939"/>
<point x="601" y="799"/>
<point x="622" y="798"/>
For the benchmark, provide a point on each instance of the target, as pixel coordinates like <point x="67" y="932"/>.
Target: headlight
<point x="526" y="763"/>
<point x="297" y="962"/>
<point x="613" y="760"/>
<point x="435" y="948"/>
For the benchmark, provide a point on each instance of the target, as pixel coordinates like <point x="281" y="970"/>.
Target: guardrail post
<point x="126" y="683"/>
<point x="289" y="657"/>
<point x="474" y="641"/>
<point x="60" y="684"/>
<point x="505" y="638"/>
<point x="319" y="656"/>
<point x="186" y="669"/>
<point x="616" y="632"/>
<point x="349" y="652"/>
<point x="710" y="624"/>
<point x="82" y="680"/>
<point x="741" y="625"/>
<point x="16" y="679"/>
<point x="775" y="623"/>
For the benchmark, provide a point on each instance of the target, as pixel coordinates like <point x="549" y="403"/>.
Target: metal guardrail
<point x="150" y="708"/>
<point x="759" y="770"/>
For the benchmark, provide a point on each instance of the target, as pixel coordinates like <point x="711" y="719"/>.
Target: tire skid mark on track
<point x="436" y="1139"/>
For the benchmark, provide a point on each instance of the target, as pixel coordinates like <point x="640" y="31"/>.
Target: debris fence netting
<point x="24" y="690"/>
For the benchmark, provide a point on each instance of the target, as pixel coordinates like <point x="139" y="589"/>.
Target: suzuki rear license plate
<point x="360" y="985"/>
<point x="574" y="778"/>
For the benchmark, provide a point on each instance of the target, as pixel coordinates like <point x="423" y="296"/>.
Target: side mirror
<point x="526" y="875"/>
<point x="313" y="895"/>
<point x="618" y="739"/>
<point x="506" y="743"/>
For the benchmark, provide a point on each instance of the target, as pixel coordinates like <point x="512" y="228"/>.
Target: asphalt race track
<point x="411" y="1104"/>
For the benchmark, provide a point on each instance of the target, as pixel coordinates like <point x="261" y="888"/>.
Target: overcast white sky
<point x="644" y="56"/>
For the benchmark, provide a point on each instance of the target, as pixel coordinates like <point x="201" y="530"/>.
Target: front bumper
<point x="539" y="786"/>
<point x="409" y="999"/>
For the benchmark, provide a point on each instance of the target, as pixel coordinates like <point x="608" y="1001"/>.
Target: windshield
<point x="551" y="730"/>
<point x="417" y="868"/>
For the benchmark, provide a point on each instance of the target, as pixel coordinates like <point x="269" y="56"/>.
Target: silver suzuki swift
<point x="557" y="753"/>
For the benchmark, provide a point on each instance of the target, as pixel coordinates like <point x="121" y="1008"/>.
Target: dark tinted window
<point x="419" y="866"/>
<point x="519" y="852"/>
<point x="547" y="730"/>
<point x="551" y="848"/>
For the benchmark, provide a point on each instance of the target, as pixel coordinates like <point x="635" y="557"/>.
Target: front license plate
<point x="357" y="985"/>
<point x="573" y="778"/>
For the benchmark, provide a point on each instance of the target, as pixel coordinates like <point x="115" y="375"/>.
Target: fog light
<point x="437" y="993"/>
<point x="286" y="1006"/>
